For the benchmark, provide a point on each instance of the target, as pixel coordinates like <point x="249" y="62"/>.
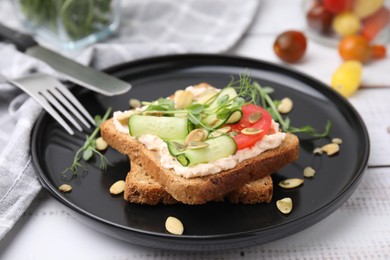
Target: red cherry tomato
<point x="375" y="23"/>
<point x="290" y="46"/>
<point x="319" y="19"/>
<point x="263" y="124"/>
<point x="337" y="6"/>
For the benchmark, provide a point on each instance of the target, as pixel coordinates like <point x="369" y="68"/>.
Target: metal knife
<point x="82" y="75"/>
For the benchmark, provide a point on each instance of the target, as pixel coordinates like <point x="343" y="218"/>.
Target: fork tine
<point x="59" y="95"/>
<point x="65" y="91"/>
<point x="46" y="105"/>
<point x="60" y="108"/>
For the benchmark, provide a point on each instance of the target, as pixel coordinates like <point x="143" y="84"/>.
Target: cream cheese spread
<point x="155" y="143"/>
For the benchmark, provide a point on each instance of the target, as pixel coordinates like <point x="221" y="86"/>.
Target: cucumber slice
<point x="175" y="148"/>
<point x="224" y="95"/>
<point x="167" y="128"/>
<point x="219" y="147"/>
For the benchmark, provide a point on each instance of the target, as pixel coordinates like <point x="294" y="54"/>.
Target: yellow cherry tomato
<point x="346" y="79"/>
<point x="346" y="24"/>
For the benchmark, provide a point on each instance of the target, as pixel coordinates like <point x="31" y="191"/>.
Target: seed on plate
<point x="331" y="149"/>
<point x="196" y="135"/>
<point x="183" y="99"/>
<point x="134" y="103"/>
<point x="255" y="116"/>
<point x="309" y="172"/>
<point x="291" y="183"/>
<point x="65" y="188"/>
<point x="251" y="131"/>
<point x="337" y="141"/>
<point x="101" y="145"/>
<point x="284" y="205"/>
<point x="285" y="105"/>
<point x="174" y="226"/>
<point x="118" y="187"/>
<point x="197" y="145"/>
<point x="317" y="150"/>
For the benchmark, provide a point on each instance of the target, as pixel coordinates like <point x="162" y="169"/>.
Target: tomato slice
<point x="264" y="123"/>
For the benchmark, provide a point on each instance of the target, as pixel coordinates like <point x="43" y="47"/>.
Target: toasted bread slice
<point x="142" y="189"/>
<point x="199" y="190"/>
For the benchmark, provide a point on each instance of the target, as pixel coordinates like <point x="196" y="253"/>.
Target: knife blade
<point x="87" y="77"/>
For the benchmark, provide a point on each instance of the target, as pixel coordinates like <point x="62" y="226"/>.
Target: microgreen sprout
<point x="88" y="149"/>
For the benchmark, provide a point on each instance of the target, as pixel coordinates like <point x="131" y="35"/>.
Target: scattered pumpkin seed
<point x="337" y="141"/>
<point x="65" y="188"/>
<point x="196" y="135"/>
<point x="309" y="172"/>
<point x="118" y="187"/>
<point x="183" y="99"/>
<point x="317" y="150"/>
<point x="255" y="116"/>
<point x="284" y="205"/>
<point x="220" y="131"/>
<point x="331" y="149"/>
<point x="291" y="183"/>
<point x="134" y="103"/>
<point x="197" y="145"/>
<point x="123" y="118"/>
<point x="251" y="131"/>
<point x="285" y="105"/>
<point x="234" y="117"/>
<point x="174" y="226"/>
<point x="207" y="95"/>
<point x="101" y="145"/>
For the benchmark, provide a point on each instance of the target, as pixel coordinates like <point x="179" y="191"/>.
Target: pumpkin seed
<point x="220" y="131"/>
<point x="251" y="131"/>
<point x="196" y="135"/>
<point x="337" y="141"/>
<point x="101" y="145"/>
<point x="285" y="105"/>
<point x="174" y="226"/>
<point x="284" y="205"/>
<point x="118" y="187"/>
<point x="317" y="150"/>
<point x="291" y="183"/>
<point x="255" y="116"/>
<point x="331" y="149"/>
<point x="197" y="145"/>
<point x="183" y="99"/>
<point x="309" y="172"/>
<point x="207" y="95"/>
<point x="123" y="118"/>
<point x="134" y="103"/>
<point x="65" y="188"/>
<point x="234" y="117"/>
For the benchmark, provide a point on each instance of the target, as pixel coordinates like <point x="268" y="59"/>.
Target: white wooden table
<point x="359" y="229"/>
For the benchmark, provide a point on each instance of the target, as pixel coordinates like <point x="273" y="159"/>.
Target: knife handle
<point x="20" y="40"/>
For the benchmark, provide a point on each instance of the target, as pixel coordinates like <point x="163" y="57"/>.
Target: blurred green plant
<point x="78" y="18"/>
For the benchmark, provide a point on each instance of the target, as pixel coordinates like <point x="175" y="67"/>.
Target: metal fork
<point x="55" y="98"/>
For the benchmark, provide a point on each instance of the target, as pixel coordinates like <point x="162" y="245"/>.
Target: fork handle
<point x="20" y="40"/>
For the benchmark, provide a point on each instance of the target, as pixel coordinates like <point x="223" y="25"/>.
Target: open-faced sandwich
<point x="201" y="144"/>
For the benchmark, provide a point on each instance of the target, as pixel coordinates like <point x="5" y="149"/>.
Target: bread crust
<point x="200" y="190"/>
<point x="142" y="189"/>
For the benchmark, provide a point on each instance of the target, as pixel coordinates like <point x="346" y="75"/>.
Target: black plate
<point x="214" y="225"/>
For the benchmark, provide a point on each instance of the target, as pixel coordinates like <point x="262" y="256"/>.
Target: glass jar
<point x="70" y="23"/>
<point x="328" y="21"/>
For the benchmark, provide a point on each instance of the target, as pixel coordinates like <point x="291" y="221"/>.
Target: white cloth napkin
<point x="148" y="27"/>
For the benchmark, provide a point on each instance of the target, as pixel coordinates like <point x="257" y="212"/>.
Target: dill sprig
<point x="88" y="149"/>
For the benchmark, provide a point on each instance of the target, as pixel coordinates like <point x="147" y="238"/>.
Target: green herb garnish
<point x="261" y="96"/>
<point x="88" y="150"/>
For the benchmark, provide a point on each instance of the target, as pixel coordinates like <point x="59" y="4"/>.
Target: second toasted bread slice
<point x="142" y="189"/>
